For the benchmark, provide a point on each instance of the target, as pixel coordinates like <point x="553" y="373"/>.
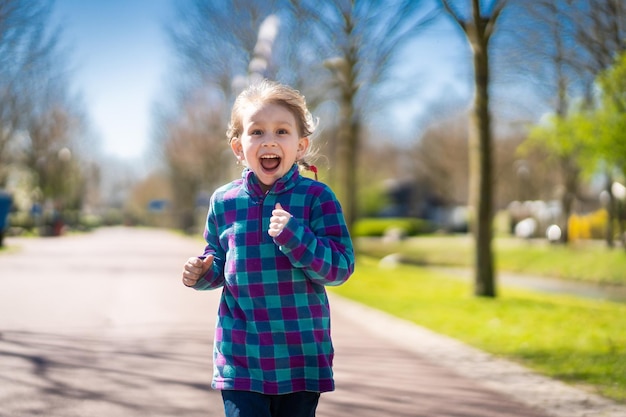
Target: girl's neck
<point x="265" y="188"/>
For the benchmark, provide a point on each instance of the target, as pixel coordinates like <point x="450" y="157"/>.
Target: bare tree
<point x="194" y="153"/>
<point x="478" y="28"/>
<point x="358" y="41"/>
<point x="215" y="62"/>
<point x="338" y="51"/>
<point x="50" y="149"/>
<point x="39" y="123"/>
<point x="155" y="188"/>
<point x="600" y="34"/>
<point x="441" y="164"/>
<point x="441" y="159"/>
<point x="26" y="48"/>
<point x="215" y="43"/>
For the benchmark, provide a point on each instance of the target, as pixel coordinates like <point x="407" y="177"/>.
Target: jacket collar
<point x="253" y="186"/>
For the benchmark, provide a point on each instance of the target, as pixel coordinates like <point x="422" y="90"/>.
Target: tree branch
<point x="492" y="20"/>
<point x="456" y="16"/>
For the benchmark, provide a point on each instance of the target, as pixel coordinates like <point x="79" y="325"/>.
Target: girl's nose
<point x="270" y="140"/>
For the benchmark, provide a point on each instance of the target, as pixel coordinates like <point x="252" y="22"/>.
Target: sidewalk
<point x="615" y="293"/>
<point x="99" y="325"/>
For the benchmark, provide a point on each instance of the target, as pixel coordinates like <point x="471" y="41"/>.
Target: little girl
<point x="275" y="239"/>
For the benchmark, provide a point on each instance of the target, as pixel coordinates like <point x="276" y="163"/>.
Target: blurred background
<point x="114" y="113"/>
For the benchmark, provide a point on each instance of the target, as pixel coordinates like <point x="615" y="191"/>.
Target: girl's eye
<point x="256" y="132"/>
<point x="283" y="132"/>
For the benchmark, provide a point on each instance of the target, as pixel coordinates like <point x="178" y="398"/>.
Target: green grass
<point x="574" y="340"/>
<point x="583" y="261"/>
<point x="380" y="226"/>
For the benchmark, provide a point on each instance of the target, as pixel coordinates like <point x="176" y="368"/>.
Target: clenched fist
<point x="278" y="220"/>
<point x="195" y="268"/>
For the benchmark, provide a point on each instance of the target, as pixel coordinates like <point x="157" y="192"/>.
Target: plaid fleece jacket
<point x="273" y="327"/>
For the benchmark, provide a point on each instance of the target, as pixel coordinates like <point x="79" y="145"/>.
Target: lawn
<point x="575" y="340"/>
<point x="589" y="261"/>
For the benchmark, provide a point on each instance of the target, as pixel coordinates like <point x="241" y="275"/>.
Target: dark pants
<point x="254" y="404"/>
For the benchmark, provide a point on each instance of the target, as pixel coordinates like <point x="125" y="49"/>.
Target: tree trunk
<point x="610" y="208"/>
<point x="478" y="31"/>
<point x="571" y="173"/>
<point x="347" y="160"/>
<point x="481" y="187"/>
<point x="621" y="222"/>
<point x="351" y="211"/>
<point x="349" y="139"/>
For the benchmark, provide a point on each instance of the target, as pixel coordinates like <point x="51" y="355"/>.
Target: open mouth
<point x="270" y="162"/>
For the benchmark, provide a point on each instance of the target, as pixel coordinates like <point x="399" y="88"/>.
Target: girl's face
<point x="269" y="144"/>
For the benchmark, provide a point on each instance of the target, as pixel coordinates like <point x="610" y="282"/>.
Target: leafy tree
<point x="590" y="139"/>
<point x="610" y="126"/>
<point x="561" y="138"/>
<point x="600" y="33"/>
<point x="612" y="83"/>
<point x="582" y="37"/>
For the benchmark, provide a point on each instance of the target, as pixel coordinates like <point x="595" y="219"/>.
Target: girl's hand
<point x="278" y="220"/>
<point x="195" y="268"/>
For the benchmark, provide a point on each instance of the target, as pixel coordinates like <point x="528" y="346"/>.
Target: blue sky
<point x="119" y="57"/>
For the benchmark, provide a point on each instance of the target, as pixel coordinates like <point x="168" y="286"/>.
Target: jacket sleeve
<point x="324" y="250"/>
<point x="214" y="278"/>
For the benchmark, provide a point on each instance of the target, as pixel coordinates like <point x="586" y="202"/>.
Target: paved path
<point x="99" y="325"/>
<point x="615" y="293"/>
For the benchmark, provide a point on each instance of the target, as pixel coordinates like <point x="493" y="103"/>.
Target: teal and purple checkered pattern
<point x="273" y="328"/>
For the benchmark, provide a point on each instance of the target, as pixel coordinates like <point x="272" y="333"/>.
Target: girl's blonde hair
<point x="271" y="92"/>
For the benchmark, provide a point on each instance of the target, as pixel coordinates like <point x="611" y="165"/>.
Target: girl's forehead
<point x="259" y="112"/>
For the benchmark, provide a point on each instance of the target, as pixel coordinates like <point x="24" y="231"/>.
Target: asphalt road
<point x="99" y="325"/>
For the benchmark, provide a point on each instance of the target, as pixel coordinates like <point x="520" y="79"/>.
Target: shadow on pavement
<point x="127" y="374"/>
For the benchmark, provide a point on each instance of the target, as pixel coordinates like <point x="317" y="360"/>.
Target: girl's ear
<point x="235" y="145"/>
<point x="303" y="146"/>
